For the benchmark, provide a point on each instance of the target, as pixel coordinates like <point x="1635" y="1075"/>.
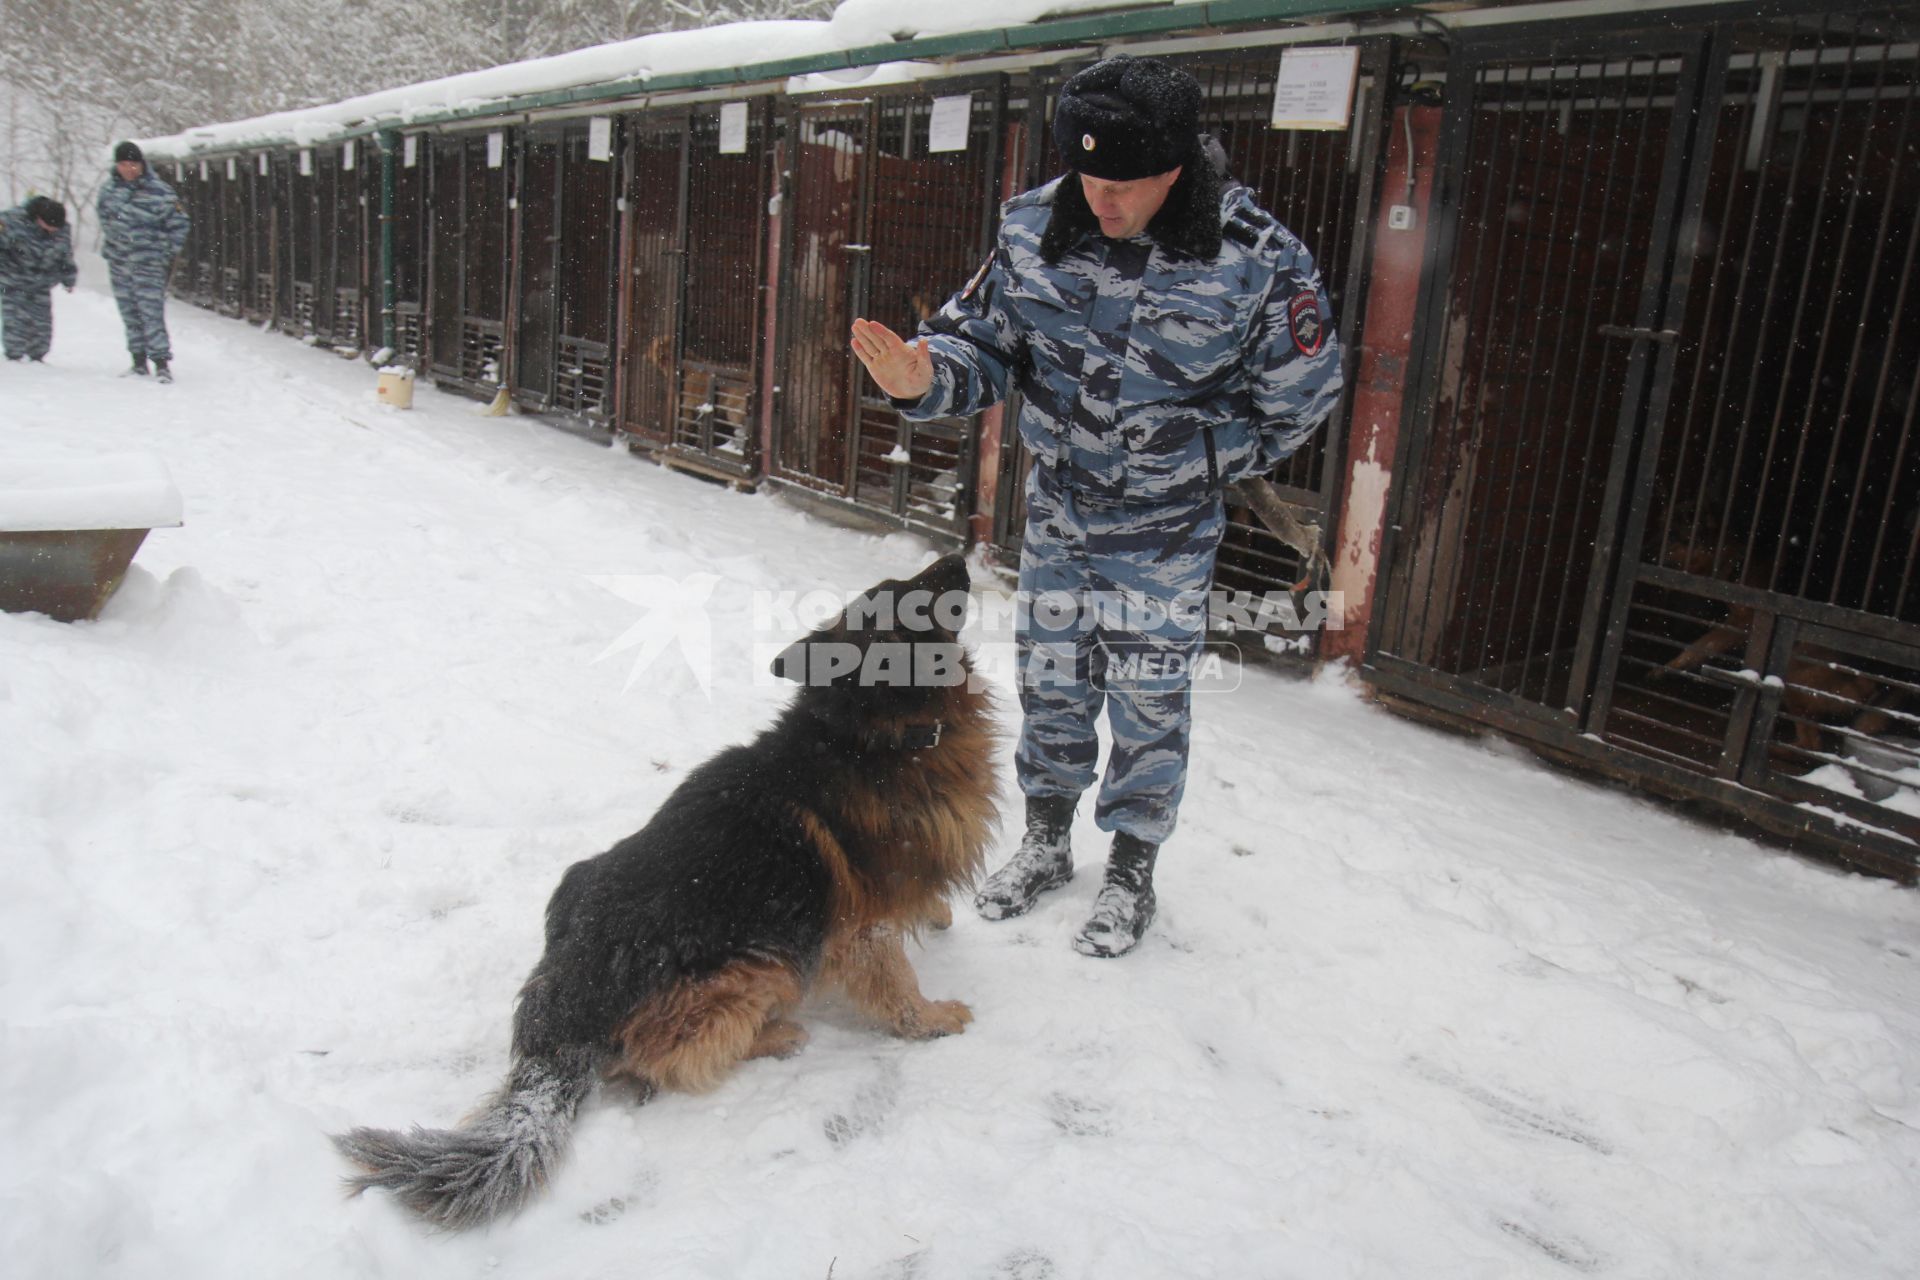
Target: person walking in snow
<point x="36" y="253"/>
<point x="143" y="227"/>
<point x="1168" y="337"/>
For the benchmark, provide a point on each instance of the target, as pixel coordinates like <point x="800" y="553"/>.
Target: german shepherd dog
<point x="800" y="859"/>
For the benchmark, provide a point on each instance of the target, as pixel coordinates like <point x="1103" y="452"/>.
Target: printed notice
<point x="410" y="150"/>
<point x="1315" y="88"/>
<point x="306" y="163"/>
<point x="496" y="150"/>
<point x="600" y="138"/>
<point x="203" y="171"/>
<point x="347" y="155"/>
<point x="949" y="127"/>
<point x="264" y="164"/>
<point x="230" y="167"/>
<point x="733" y="128"/>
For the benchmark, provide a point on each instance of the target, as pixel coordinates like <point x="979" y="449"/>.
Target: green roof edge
<point x="1000" y="40"/>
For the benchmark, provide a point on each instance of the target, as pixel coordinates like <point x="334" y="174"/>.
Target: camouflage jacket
<point x="31" y="258"/>
<point x="142" y="222"/>
<point x="1148" y="374"/>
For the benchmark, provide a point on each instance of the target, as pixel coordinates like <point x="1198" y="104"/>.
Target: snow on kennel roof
<point x="641" y="59"/>
<point x="860" y="34"/>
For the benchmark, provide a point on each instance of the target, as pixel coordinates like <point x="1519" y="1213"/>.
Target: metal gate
<point x="468" y="248"/>
<point x="192" y="274"/>
<point x="654" y="253"/>
<point x="262" y="217"/>
<point x="696" y="254"/>
<point x="234" y="239"/>
<point x="1655" y="508"/>
<point x="338" y="238"/>
<point x="411" y="219"/>
<point x="196" y="269"/>
<point x="880" y="226"/>
<point x="562" y="348"/>
<point x="1320" y="185"/>
<point x="297" y="255"/>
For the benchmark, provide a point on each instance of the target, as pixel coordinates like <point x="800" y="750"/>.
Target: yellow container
<point x="396" y="389"/>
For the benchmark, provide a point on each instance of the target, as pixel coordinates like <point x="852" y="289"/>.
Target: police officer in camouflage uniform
<point x="143" y="227"/>
<point x="36" y="253"/>
<point x="1168" y="337"/>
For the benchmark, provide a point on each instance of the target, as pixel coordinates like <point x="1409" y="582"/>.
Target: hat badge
<point x="1086" y="142"/>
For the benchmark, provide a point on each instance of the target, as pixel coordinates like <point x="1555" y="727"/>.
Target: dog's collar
<point x="914" y="737"/>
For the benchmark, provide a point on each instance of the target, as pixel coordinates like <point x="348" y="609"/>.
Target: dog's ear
<point x="821" y="658"/>
<point x="935" y="599"/>
<point x="791" y="662"/>
<point x="948" y="573"/>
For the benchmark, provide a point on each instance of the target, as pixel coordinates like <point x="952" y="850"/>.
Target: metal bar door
<point x="1759" y="630"/>
<point x="656" y="257"/>
<point x="1559" y="191"/>
<point x="823" y="268"/>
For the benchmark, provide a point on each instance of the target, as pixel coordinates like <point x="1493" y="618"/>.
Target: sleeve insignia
<point x="1303" y="318"/>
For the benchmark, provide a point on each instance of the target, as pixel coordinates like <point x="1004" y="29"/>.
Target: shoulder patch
<point x="1303" y="319"/>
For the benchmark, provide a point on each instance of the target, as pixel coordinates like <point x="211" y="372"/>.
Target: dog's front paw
<point x="779" y="1039"/>
<point x="939" y="1018"/>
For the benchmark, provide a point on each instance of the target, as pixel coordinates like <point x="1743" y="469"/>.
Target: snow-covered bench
<point x="69" y="528"/>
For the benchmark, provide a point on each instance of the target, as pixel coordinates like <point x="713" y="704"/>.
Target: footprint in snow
<point x="609" y="1210"/>
<point x="1080" y="1117"/>
<point x="872" y="1104"/>
<point x="1025" y="1264"/>
<point x="639" y="1195"/>
<point x="1566" y="1249"/>
<point x="1511" y="1111"/>
<point x="1693" y="988"/>
<point x="905" y="1267"/>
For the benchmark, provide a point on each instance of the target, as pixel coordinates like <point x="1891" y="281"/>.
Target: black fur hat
<point x="128" y="151"/>
<point x="48" y="210"/>
<point x="1189" y="220"/>
<point x="1127" y="118"/>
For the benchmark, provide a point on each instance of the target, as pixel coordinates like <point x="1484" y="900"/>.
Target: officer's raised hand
<point x="902" y="370"/>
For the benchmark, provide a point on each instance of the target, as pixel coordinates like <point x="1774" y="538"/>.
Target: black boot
<point x="161" y="372"/>
<point x="139" y="364"/>
<point x="1043" y="861"/>
<point x="1124" y="908"/>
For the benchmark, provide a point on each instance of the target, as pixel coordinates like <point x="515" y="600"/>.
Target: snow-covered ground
<point x="280" y="826"/>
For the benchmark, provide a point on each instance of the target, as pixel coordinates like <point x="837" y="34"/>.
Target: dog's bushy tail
<point x="458" y="1178"/>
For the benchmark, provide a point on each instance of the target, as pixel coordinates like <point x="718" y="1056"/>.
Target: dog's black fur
<point x="804" y="853"/>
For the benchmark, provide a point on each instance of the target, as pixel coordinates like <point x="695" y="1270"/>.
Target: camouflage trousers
<point x="1114" y="603"/>
<point x="141" y="291"/>
<point x="26" y="322"/>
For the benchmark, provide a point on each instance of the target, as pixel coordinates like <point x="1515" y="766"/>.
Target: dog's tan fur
<point x="893" y="848"/>
<point x="806" y="856"/>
